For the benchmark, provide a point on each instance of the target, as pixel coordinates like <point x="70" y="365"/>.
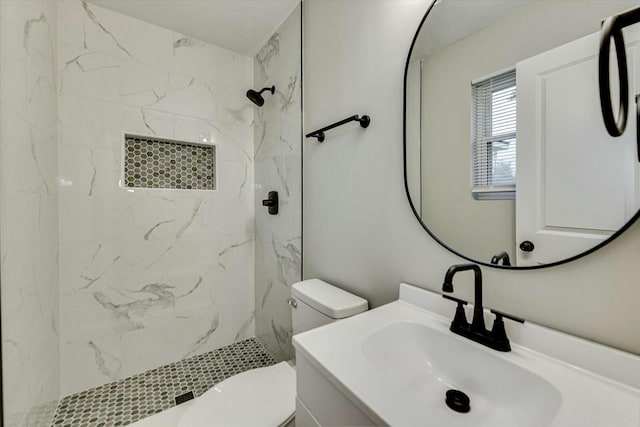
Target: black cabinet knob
<point x="527" y="246"/>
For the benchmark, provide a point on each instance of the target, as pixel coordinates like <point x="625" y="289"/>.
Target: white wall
<point x="29" y="215"/>
<point x="359" y="231"/>
<point x="148" y="277"/>
<point x="278" y="161"/>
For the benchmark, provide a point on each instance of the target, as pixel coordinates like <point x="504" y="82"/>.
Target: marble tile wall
<point x="278" y="167"/>
<point x="29" y="211"/>
<point x="148" y="277"/>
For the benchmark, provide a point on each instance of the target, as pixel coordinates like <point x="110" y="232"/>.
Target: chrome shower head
<point x="256" y="97"/>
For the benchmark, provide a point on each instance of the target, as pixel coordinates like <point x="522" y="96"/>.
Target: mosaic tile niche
<point x="162" y="163"/>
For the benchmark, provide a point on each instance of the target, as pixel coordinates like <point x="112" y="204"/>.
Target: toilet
<point x="265" y="397"/>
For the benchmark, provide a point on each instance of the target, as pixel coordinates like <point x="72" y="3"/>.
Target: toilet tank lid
<point x="328" y="299"/>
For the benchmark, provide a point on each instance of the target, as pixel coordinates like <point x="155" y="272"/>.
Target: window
<point x="493" y="139"/>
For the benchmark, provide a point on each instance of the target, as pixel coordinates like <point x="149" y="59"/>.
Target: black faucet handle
<point x="460" y="319"/>
<point x="500" y="315"/>
<point x="498" y="335"/>
<point x="459" y="301"/>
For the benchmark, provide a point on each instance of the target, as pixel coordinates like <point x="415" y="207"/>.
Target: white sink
<point x="395" y="364"/>
<point x="426" y="362"/>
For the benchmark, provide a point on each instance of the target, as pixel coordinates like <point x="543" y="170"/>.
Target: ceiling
<point x="242" y="26"/>
<point x="452" y="20"/>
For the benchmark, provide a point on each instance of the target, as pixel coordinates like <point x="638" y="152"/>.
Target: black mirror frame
<point x="443" y="244"/>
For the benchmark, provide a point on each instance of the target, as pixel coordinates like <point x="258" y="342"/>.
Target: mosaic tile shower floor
<point x="123" y="402"/>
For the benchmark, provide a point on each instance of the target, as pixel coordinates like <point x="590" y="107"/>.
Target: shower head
<point x="256" y="97"/>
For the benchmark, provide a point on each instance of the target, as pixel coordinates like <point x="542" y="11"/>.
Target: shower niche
<point x="163" y="163"/>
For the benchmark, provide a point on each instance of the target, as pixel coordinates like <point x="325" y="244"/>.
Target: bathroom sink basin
<point x="427" y="363"/>
<point x="396" y="363"/>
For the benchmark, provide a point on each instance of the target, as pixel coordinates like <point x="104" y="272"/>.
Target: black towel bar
<point x="364" y="122"/>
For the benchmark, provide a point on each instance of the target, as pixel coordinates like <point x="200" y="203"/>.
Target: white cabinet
<point x="320" y="403"/>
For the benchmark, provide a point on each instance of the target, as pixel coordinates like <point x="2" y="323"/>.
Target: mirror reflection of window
<point x="493" y="142"/>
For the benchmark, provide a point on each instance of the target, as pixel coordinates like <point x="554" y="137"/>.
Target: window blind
<point x="493" y="140"/>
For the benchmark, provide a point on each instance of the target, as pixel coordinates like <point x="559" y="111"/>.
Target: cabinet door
<point x="576" y="185"/>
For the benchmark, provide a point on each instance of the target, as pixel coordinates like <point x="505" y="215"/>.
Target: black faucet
<point x="476" y="331"/>
<point x="501" y="256"/>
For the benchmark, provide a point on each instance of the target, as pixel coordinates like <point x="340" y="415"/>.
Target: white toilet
<point x="266" y="396"/>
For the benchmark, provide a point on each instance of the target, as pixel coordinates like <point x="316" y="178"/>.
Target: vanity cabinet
<point x="320" y="403"/>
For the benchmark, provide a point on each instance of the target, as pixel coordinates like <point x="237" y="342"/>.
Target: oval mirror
<point x="507" y="159"/>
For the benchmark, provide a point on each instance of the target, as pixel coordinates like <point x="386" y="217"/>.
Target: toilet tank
<point x="319" y="303"/>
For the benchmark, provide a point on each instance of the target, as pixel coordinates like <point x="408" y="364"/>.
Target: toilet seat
<point x="259" y="397"/>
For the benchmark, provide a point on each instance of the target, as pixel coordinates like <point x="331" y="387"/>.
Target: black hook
<point x="612" y="29"/>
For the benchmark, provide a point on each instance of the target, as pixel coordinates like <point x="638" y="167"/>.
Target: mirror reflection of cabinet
<point x="576" y="186"/>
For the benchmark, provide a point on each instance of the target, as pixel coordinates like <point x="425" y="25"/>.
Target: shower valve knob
<point x="271" y="202"/>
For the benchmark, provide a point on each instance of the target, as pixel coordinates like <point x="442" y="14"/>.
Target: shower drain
<point x="184" y="397"/>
